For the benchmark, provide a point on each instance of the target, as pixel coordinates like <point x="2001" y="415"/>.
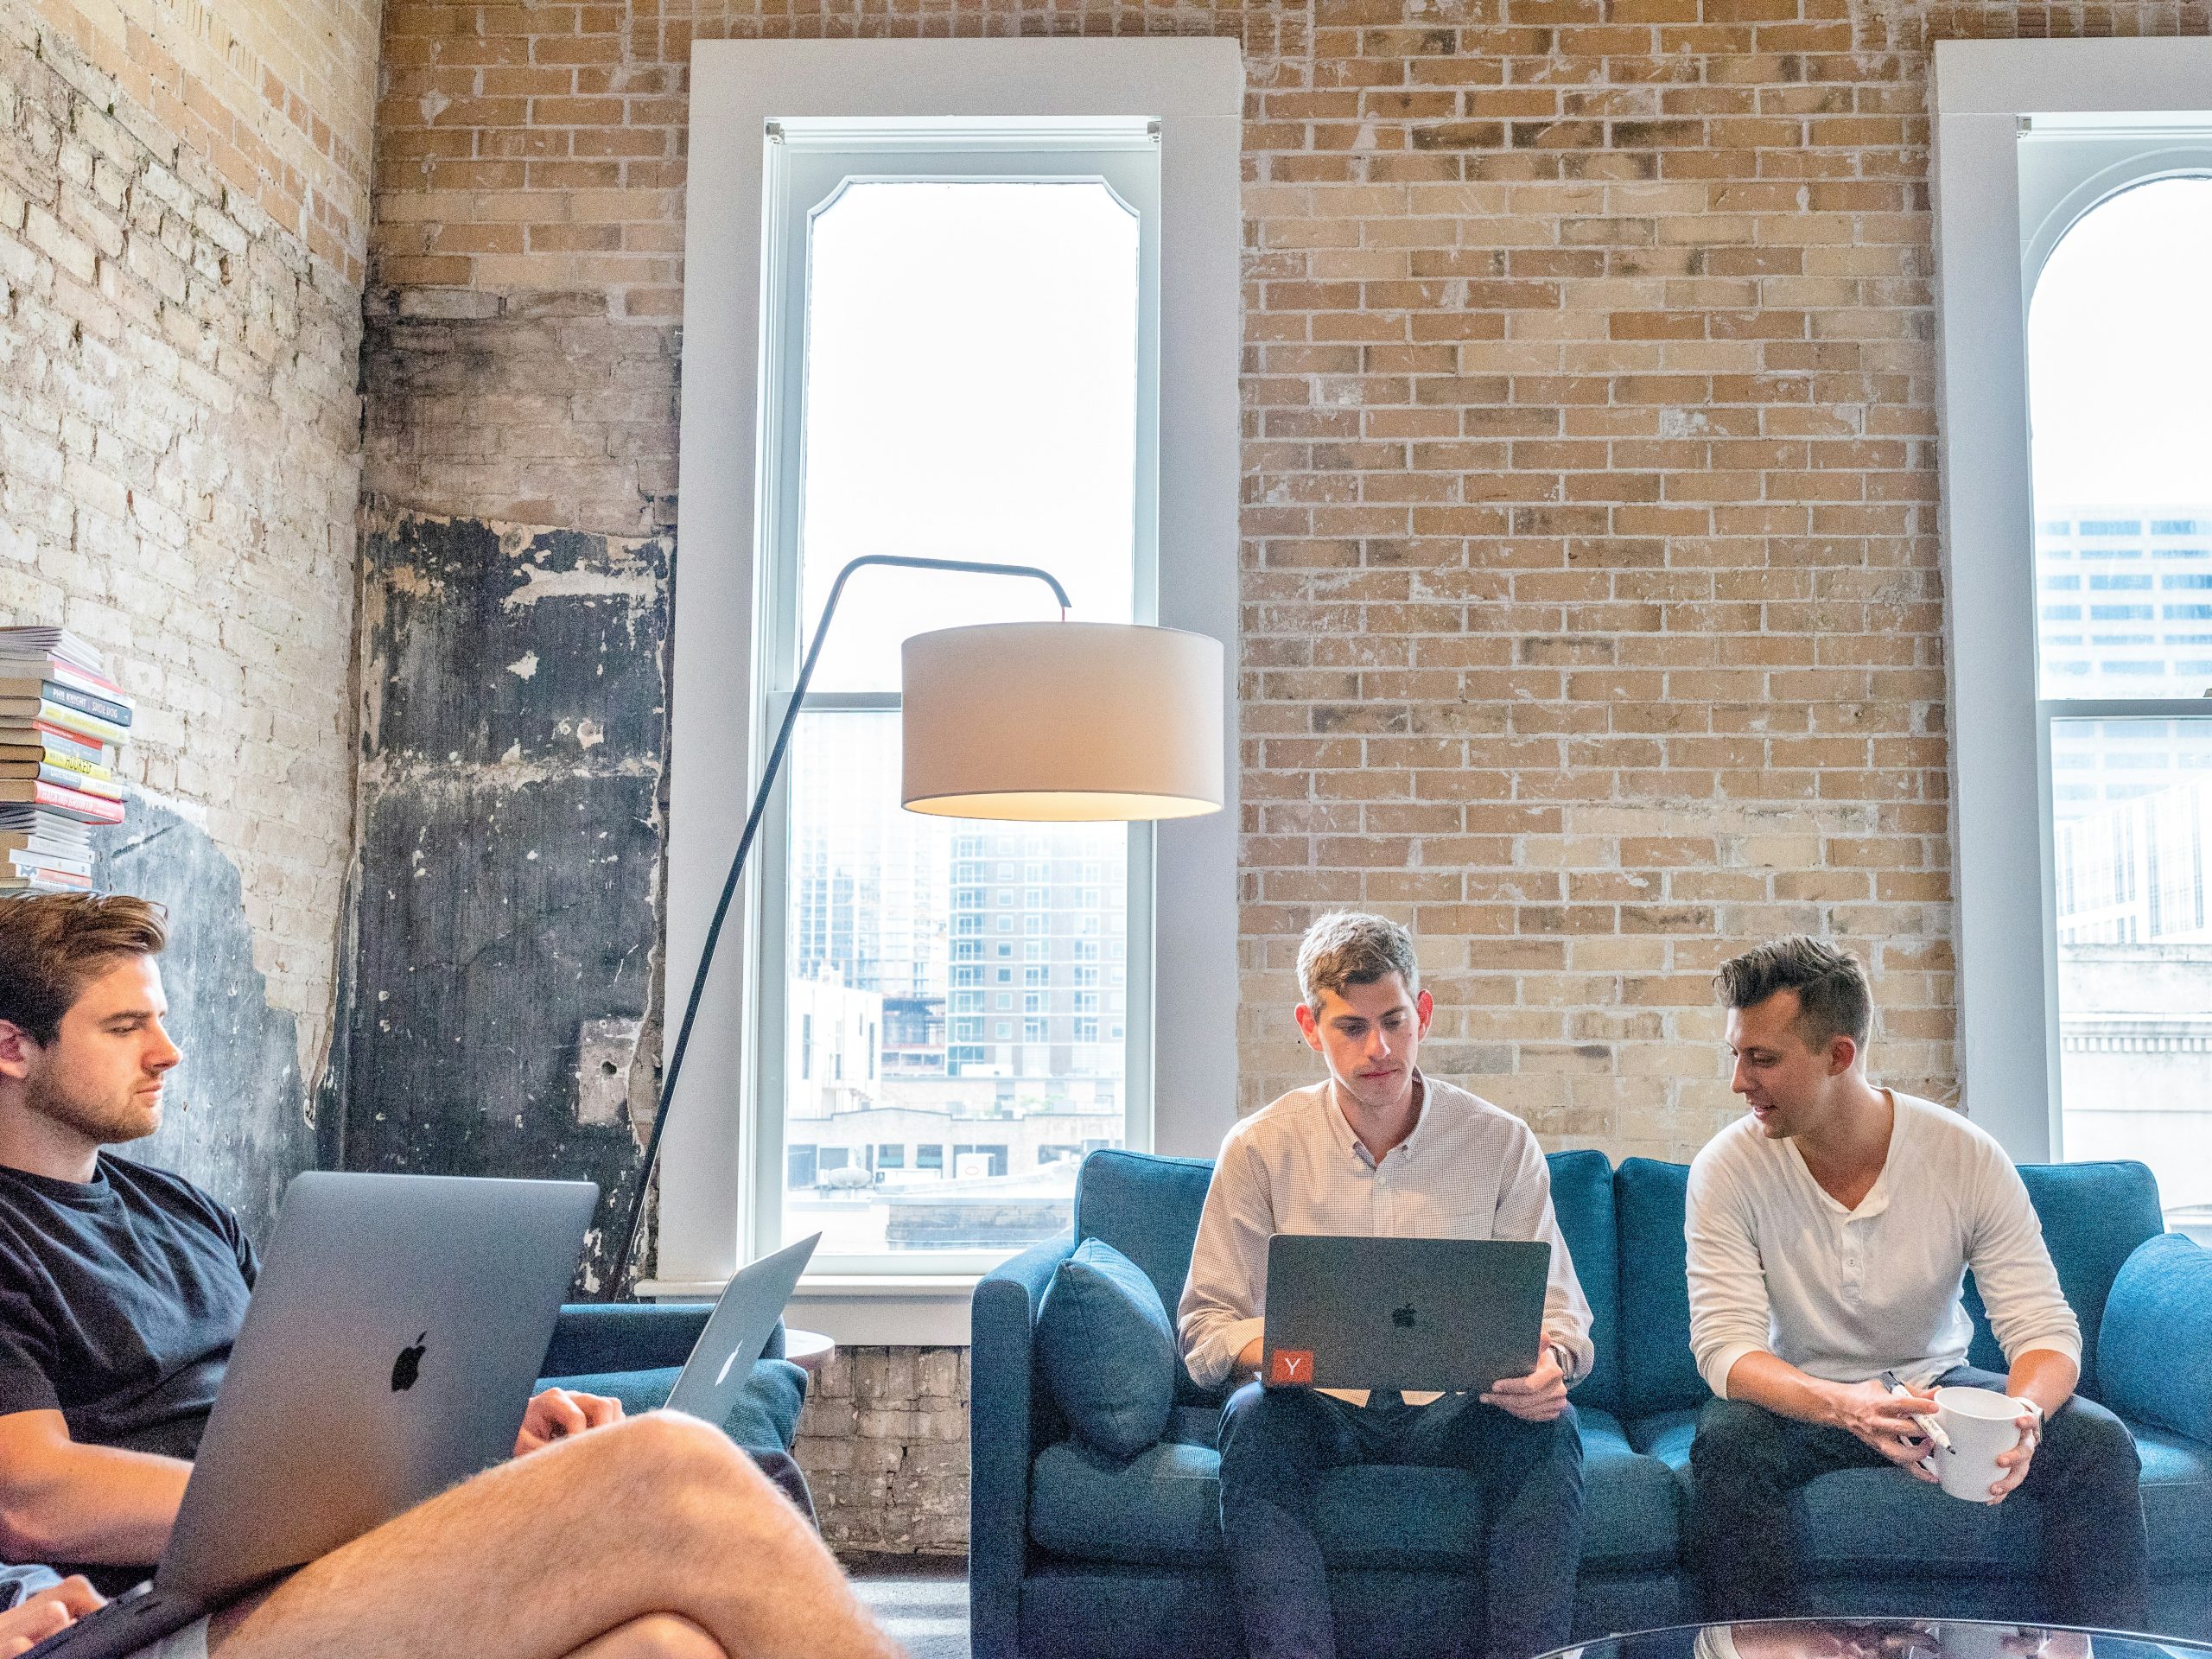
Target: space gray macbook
<point x="387" y="1354"/>
<point x="721" y="1360"/>
<point x="1421" y="1313"/>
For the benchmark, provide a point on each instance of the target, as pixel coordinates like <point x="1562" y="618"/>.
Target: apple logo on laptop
<point x="1402" y="1317"/>
<point x="409" y="1366"/>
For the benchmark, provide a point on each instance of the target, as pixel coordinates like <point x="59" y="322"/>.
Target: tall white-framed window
<point x="961" y="361"/>
<point x="962" y="299"/>
<point x="2073" y="196"/>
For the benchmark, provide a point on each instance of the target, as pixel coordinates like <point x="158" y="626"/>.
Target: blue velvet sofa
<point x="1073" y="1557"/>
<point x="632" y="1351"/>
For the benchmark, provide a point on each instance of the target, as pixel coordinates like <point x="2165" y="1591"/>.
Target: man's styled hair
<point x="1348" y="947"/>
<point x="1833" y="997"/>
<point x="52" y="945"/>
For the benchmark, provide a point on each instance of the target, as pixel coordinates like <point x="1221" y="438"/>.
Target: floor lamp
<point x="1045" y="722"/>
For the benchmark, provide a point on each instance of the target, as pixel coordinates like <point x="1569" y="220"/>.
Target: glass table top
<point x="1883" y="1638"/>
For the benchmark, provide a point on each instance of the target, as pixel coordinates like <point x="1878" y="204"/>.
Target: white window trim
<point x="1194" y="88"/>
<point x="1980" y="92"/>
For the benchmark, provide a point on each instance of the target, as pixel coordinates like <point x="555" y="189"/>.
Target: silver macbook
<point x="387" y="1354"/>
<point x="1441" y="1313"/>
<point x="736" y="1331"/>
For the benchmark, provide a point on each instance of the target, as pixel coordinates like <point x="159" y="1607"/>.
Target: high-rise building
<point x="868" y="881"/>
<point x="1039" y="976"/>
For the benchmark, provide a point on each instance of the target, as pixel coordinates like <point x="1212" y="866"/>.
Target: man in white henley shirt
<point x="1829" y="1231"/>
<point x="1378" y="1149"/>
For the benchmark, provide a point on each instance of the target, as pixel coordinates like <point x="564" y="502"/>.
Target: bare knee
<point x="689" y="1472"/>
<point x="657" y="1636"/>
<point x="665" y="1635"/>
<point x="667" y="1447"/>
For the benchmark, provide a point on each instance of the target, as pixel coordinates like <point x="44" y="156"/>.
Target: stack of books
<point x="61" y="720"/>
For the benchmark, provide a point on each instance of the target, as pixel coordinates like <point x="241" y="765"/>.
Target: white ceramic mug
<point x="1981" y="1423"/>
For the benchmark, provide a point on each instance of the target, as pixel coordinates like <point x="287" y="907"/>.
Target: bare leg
<point x="540" y="1558"/>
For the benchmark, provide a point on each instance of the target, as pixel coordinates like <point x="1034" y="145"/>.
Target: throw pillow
<point x="1108" y="1351"/>
<point x="2163" y="1290"/>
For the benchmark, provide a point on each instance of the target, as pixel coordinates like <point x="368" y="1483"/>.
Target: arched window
<point x="2119" y="396"/>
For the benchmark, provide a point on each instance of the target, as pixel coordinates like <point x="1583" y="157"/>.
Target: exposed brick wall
<point x="181" y="241"/>
<point x="1592" y="615"/>
<point x="884" y="1443"/>
<point x="276" y="101"/>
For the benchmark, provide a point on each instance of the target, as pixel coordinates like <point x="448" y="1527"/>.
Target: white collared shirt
<point x="1777" y="1266"/>
<point x="1469" y="1170"/>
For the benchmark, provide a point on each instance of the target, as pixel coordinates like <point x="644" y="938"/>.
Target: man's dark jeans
<point x="1747" y="1461"/>
<point x="1276" y="1443"/>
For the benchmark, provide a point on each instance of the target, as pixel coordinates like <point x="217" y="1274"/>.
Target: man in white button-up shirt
<point x="1379" y="1149"/>
<point x="1830" y="1230"/>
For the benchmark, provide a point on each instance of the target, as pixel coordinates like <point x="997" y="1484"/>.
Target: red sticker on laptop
<point x="1291" y="1365"/>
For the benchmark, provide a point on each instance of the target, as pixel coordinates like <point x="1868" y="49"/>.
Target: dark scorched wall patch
<point x="514" y="736"/>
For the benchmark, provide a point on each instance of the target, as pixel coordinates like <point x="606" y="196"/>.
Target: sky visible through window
<point x="2120" y="344"/>
<point x="971" y="387"/>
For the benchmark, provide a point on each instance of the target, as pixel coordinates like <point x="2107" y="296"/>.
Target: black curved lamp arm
<point x="619" y="1269"/>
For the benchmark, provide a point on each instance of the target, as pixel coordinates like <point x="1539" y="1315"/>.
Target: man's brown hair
<point x="52" y="945"/>
<point x="1347" y="948"/>
<point x="1834" y="998"/>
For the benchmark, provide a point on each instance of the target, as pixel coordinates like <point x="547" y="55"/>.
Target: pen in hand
<point x="1928" y="1426"/>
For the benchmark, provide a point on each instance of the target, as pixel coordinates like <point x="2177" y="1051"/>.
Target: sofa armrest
<point x="592" y="1337"/>
<point x="2154" y="1346"/>
<point x="1002" y="1426"/>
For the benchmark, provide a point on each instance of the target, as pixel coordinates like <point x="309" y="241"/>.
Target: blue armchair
<point x="1073" y="1558"/>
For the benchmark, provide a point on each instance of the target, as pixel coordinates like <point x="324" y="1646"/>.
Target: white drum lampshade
<point x="1063" y="721"/>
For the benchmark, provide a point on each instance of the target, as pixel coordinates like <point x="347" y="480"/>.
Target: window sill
<point x="860" y="1310"/>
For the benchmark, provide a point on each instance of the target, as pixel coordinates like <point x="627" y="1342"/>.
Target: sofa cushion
<point x="1632" y="1503"/>
<point x="764" y="1418"/>
<point x="2164" y="1287"/>
<point x="1148" y="1208"/>
<point x="1582" y="1198"/>
<point x="592" y="1338"/>
<point x="2176" y="1499"/>
<point x="1163" y="1508"/>
<point x="2093" y="1215"/>
<point x="1658" y="1373"/>
<point x="1107" y="1350"/>
<point x="1666" y="1436"/>
<point x="1194" y="1425"/>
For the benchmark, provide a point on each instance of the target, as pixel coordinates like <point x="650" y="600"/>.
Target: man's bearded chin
<point x="110" y="1123"/>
